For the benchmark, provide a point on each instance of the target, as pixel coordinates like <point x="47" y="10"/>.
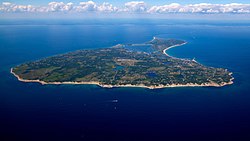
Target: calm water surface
<point x="30" y="111"/>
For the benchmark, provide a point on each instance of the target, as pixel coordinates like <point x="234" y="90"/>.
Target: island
<point x="124" y="65"/>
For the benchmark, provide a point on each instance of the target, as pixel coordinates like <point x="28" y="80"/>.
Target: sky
<point x="145" y="7"/>
<point x="121" y="2"/>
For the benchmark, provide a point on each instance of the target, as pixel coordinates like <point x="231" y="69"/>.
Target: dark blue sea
<point x="34" y="112"/>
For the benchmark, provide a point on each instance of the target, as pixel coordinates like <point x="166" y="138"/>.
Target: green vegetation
<point x="120" y="66"/>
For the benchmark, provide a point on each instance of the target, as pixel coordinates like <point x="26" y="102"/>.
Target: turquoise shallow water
<point x="32" y="111"/>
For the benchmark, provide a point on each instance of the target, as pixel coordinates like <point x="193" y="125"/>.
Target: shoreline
<point x="210" y="84"/>
<point x="165" y="52"/>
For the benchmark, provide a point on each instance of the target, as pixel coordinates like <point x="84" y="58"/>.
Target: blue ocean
<point x="35" y="112"/>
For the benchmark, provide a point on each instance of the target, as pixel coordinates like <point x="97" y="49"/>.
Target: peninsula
<point x="124" y="65"/>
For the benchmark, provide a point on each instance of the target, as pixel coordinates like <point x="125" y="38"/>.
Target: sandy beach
<point x="165" y="51"/>
<point x="127" y="85"/>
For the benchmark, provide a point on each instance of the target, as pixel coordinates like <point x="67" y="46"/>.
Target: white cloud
<point x="201" y="8"/>
<point x="107" y="7"/>
<point x="129" y="7"/>
<point x="9" y="7"/>
<point x="59" y="7"/>
<point x="92" y="6"/>
<point x="135" y="6"/>
<point x="171" y="8"/>
<point x="86" y="6"/>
